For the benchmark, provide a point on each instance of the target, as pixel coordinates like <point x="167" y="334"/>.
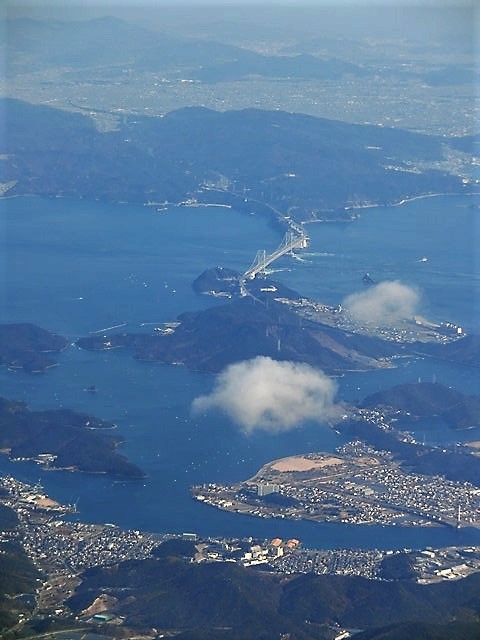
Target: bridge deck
<point x="291" y="241"/>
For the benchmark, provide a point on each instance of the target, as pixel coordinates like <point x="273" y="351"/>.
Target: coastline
<point x="278" y="216"/>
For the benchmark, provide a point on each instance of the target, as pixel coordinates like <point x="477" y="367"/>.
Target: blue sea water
<point x="76" y="267"/>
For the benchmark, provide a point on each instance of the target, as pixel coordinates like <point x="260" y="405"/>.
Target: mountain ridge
<point x="292" y="164"/>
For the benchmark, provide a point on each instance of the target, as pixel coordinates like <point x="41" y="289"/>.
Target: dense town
<point x="357" y="485"/>
<point x="416" y="329"/>
<point x="61" y="548"/>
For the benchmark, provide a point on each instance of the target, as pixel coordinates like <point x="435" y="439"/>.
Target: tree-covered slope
<point x="73" y="439"/>
<point x="297" y="164"/>
<point x="17" y="574"/>
<point x="430" y="399"/>
<point x="176" y="594"/>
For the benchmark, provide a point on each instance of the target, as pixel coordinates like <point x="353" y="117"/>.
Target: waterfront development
<point x="330" y="505"/>
<point x="319" y="504"/>
<point x="415" y="329"/>
<point x="239" y="342"/>
<point x="151" y="404"/>
<point x="357" y="485"/>
<point x="63" y="549"/>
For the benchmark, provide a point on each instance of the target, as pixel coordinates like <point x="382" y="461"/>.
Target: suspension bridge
<point x="295" y="238"/>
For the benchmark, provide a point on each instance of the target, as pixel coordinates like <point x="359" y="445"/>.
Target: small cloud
<point x="274" y="396"/>
<point x="383" y="304"/>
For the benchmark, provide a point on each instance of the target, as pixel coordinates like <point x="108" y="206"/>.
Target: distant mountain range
<point x="104" y="41"/>
<point x="255" y="160"/>
<point x="110" y="42"/>
<point x="113" y="44"/>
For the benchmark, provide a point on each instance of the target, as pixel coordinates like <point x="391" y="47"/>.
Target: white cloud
<point x="275" y="396"/>
<point x="383" y="304"/>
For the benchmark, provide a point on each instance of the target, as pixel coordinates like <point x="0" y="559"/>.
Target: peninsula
<point x="274" y="321"/>
<point x="382" y="476"/>
<point x="411" y="402"/>
<point x="356" y="485"/>
<point x="28" y="347"/>
<point x="209" y="340"/>
<point x="61" y="439"/>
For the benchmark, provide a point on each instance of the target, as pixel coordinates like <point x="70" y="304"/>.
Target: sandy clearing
<point x="299" y="463"/>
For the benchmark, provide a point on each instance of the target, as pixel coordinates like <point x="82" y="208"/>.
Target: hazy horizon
<point x="361" y="18"/>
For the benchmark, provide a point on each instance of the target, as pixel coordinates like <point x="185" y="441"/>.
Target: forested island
<point x="465" y="352"/>
<point x="61" y="439"/>
<point x="427" y="399"/>
<point x="28" y="347"/>
<point x="275" y="321"/>
<point x="382" y="419"/>
<point x="210" y="340"/>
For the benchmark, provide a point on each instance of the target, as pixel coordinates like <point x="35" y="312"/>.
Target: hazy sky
<point x="115" y="7"/>
<point x="348" y="17"/>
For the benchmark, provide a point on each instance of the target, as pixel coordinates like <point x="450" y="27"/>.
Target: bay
<point x="77" y="266"/>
